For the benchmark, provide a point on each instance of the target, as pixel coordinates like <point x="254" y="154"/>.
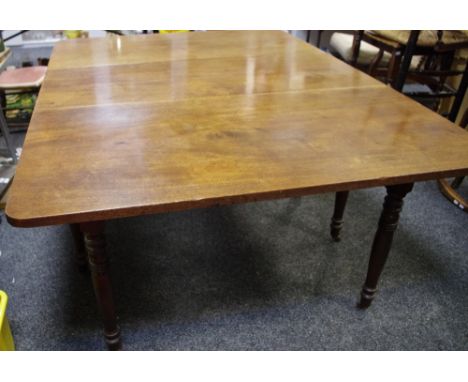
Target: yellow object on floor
<point x="6" y="339"/>
<point x="172" y="31"/>
<point x="73" y="34"/>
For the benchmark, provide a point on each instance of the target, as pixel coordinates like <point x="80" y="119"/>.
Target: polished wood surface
<point x="132" y="125"/>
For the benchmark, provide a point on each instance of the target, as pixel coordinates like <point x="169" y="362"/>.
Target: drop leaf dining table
<point x="126" y="126"/>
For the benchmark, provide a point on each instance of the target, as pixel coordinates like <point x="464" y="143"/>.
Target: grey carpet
<point x="259" y="276"/>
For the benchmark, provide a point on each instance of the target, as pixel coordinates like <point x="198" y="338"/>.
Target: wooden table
<point x="136" y="125"/>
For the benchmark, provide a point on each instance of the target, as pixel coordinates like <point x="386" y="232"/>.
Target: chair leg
<point x="356" y="47"/>
<point x="463" y="123"/>
<point x="337" y="219"/>
<point x="457" y="182"/>
<point x="319" y="38"/>
<point x="393" y="67"/>
<point x="383" y="240"/>
<point x="407" y="56"/>
<point x="375" y="63"/>
<point x="457" y="102"/>
<point x="449" y="192"/>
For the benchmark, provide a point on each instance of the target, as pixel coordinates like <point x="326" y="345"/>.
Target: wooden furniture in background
<point x="137" y="125"/>
<point x="342" y="45"/>
<point x="319" y="37"/>
<point x="436" y="51"/>
<point x="450" y="190"/>
<point x="394" y="48"/>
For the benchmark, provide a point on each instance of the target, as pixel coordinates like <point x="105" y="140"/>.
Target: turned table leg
<point x="80" y="251"/>
<point x="383" y="239"/>
<point x="337" y="219"/>
<point x="98" y="263"/>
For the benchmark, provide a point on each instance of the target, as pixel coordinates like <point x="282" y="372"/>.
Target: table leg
<point x="98" y="263"/>
<point x="80" y="251"/>
<point x="337" y="219"/>
<point x="383" y="239"/>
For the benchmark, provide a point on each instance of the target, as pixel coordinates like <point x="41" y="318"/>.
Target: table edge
<point x="125" y="212"/>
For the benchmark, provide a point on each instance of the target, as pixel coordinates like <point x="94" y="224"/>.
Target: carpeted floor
<point x="259" y="276"/>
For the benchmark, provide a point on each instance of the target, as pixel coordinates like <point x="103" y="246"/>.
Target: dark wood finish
<point x="437" y="67"/>
<point x="375" y="62"/>
<point x="463" y="124"/>
<point x="407" y="57"/>
<point x="98" y="263"/>
<point x="383" y="239"/>
<point x="384" y="45"/>
<point x="156" y="123"/>
<point x="358" y="35"/>
<point x="449" y="190"/>
<point x="80" y="250"/>
<point x="393" y="66"/>
<point x="457" y="182"/>
<point x="134" y="125"/>
<point x="337" y="219"/>
<point x="319" y="37"/>
<point x="461" y="92"/>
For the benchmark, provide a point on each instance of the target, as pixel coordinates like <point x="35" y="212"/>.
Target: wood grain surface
<point x="133" y="125"/>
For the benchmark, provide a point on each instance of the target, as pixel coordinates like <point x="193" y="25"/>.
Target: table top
<point x="132" y="125"/>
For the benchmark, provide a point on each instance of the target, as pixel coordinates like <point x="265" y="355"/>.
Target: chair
<point x="437" y="68"/>
<point x="437" y="51"/>
<point x="449" y="190"/>
<point x="424" y="79"/>
<point x="342" y="45"/>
